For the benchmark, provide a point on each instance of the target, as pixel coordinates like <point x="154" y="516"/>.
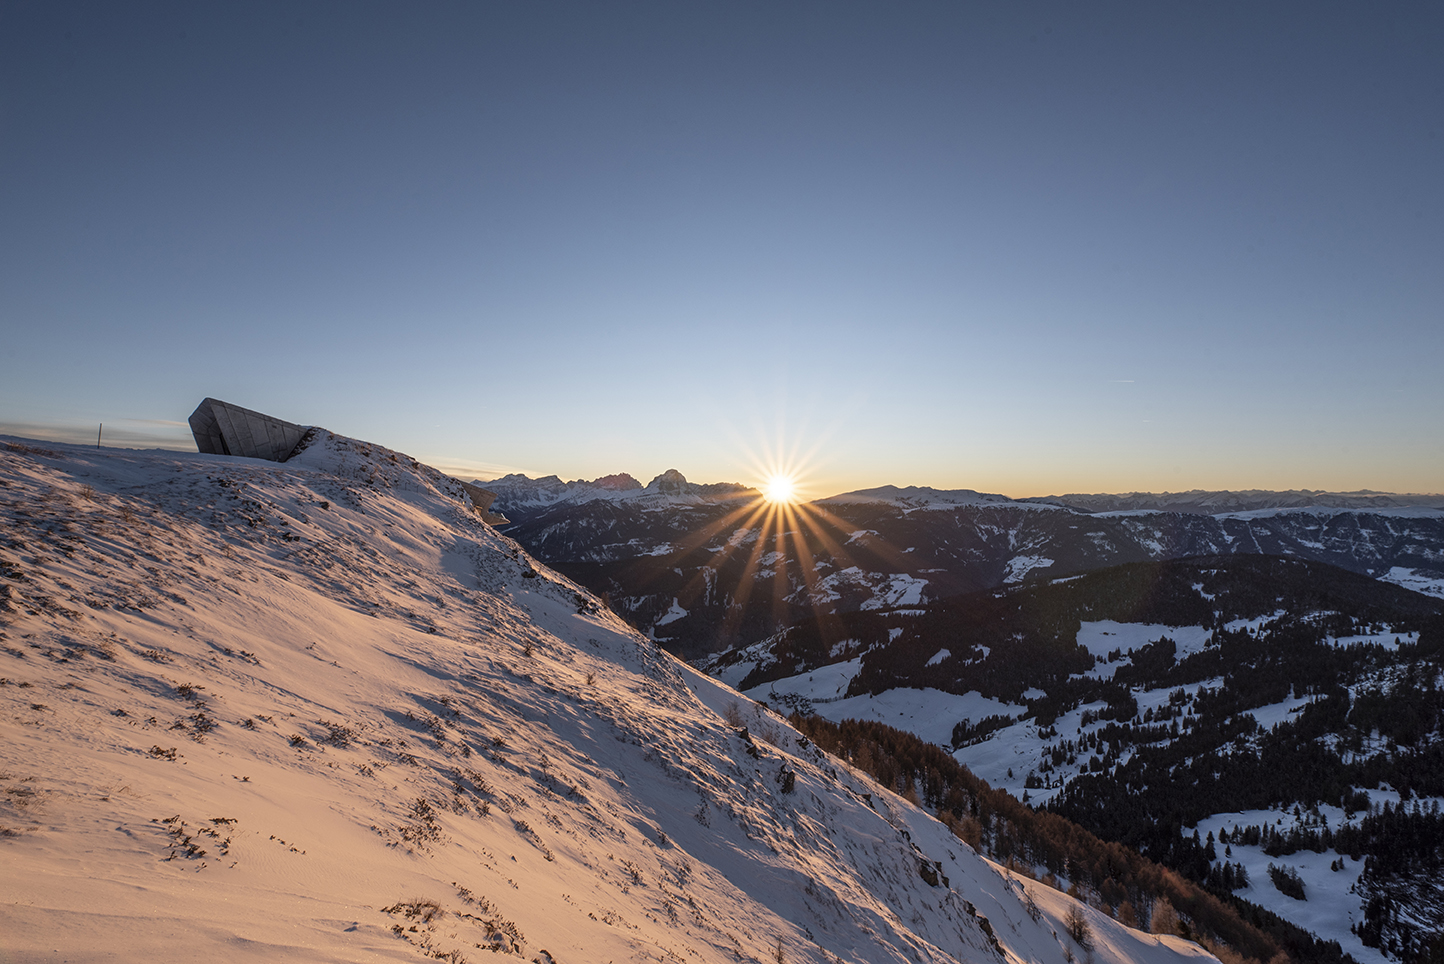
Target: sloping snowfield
<point x="320" y="712"/>
<point x="1332" y="905"/>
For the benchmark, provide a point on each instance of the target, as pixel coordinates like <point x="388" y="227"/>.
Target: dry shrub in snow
<point x="1078" y="929"/>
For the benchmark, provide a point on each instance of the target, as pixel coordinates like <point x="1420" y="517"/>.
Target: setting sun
<point x="780" y="488"/>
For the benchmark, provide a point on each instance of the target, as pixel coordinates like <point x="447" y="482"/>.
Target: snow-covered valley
<point x="1301" y="693"/>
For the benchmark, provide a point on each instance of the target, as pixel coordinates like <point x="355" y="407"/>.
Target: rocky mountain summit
<point x="526" y="495"/>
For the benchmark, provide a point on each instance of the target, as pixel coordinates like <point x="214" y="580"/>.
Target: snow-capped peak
<point x="518" y="492"/>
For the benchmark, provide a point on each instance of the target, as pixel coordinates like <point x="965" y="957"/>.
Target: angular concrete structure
<point x="221" y="428"/>
<point x="481" y="500"/>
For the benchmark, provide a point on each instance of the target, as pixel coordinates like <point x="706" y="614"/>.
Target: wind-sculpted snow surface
<point x="319" y="711"/>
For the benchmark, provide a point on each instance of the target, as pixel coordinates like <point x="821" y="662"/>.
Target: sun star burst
<point x="780" y="488"/>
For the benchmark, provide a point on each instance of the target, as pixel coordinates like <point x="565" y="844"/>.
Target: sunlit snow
<point x="319" y="711"/>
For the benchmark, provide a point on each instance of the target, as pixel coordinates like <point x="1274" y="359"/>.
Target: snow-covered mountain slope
<point x="318" y="711"/>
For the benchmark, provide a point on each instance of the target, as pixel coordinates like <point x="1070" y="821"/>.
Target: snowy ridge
<point x="319" y="711"/>
<point x="1222" y="503"/>
<point x="1388" y="512"/>
<point x="924" y="497"/>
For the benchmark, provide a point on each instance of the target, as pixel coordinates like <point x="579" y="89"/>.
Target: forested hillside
<point x="1149" y="702"/>
<point x="1129" y="887"/>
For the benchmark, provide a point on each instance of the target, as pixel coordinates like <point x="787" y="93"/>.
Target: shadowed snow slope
<point x="318" y="711"/>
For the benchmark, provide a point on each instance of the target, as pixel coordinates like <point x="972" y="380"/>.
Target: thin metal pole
<point x="97" y="434"/>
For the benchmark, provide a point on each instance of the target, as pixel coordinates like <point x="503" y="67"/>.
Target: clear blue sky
<point x="1025" y="248"/>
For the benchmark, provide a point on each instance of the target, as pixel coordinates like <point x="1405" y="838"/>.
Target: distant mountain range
<point x="1200" y="502"/>
<point x="520" y="491"/>
<point x="526" y="494"/>
<point x="705" y="568"/>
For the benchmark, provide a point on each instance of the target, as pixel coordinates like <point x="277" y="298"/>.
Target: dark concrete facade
<point x="221" y="428"/>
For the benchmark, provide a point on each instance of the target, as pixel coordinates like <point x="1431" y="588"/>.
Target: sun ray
<point x="696" y="540"/>
<point x="746" y="582"/>
<point x="781" y="577"/>
<point x="804" y="541"/>
<point x="886" y="552"/>
<point x="827" y="622"/>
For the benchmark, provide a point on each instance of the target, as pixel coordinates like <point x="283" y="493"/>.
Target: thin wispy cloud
<point x="471" y="468"/>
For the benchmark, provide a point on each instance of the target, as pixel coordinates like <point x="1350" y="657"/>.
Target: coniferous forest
<point x="1358" y="663"/>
